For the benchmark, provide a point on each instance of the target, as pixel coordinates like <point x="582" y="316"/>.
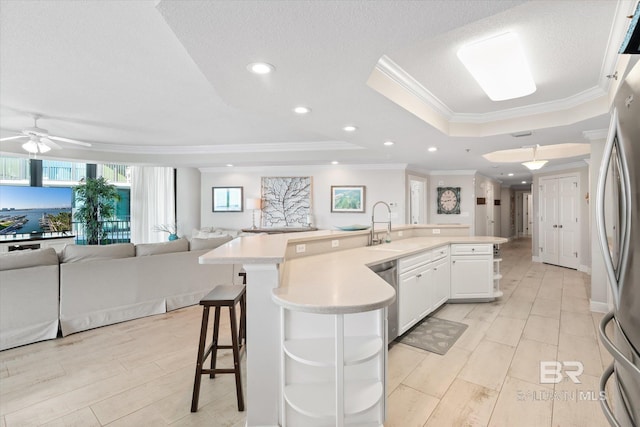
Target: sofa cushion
<point x="146" y="249"/>
<point x="82" y="253"/>
<point x="210" y="243"/>
<point x="25" y="259"/>
<point x="208" y="232"/>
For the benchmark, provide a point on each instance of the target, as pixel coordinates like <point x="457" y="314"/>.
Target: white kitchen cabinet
<point x="441" y="280"/>
<point x="471" y="272"/>
<point x="416" y="300"/>
<point x="424" y="285"/>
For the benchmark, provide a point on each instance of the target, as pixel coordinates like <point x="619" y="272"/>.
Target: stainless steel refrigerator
<point x="618" y="220"/>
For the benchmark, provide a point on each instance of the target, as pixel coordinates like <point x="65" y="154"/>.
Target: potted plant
<point x="172" y="229"/>
<point x="95" y="197"/>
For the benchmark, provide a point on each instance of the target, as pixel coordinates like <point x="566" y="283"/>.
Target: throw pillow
<point x="147" y="249"/>
<point x="198" y="244"/>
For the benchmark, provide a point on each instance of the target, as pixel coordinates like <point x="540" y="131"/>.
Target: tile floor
<point x="140" y="373"/>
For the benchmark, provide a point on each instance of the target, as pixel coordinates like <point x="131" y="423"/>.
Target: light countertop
<point x="334" y="282"/>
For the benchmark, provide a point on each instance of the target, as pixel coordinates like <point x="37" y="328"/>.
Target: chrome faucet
<point x="372" y="239"/>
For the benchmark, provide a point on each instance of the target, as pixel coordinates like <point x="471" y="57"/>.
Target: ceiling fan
<point x="40" y="141"/>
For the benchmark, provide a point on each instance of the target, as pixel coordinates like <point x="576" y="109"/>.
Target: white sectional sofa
<point x="28" y="297"/>
<point x="85" y="287"/>
<point x="102" y="285"/>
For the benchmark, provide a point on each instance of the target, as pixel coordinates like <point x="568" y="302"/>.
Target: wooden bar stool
<point x="221" y="296"/>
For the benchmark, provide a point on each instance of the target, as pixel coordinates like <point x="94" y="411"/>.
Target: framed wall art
<point x="227" y="199"/>
<point x="348" y="198"/>
<point x="286" y="201"/>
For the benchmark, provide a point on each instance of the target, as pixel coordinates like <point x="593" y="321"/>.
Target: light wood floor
<point x="140" y="373"/>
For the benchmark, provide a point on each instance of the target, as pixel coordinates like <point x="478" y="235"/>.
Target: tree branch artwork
<point x="286" y="201"/>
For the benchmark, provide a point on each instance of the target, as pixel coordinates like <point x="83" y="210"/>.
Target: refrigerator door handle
<point x="625" y="225"/>
<point x="617" y="354"/>
<point x="600" y="205"/>
<point x="604" y="402"/>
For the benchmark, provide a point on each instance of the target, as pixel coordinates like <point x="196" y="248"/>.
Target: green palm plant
<point x="95" y="197"/>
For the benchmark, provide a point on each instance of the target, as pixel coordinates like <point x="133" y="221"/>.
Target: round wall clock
<point x="448" y="200"/>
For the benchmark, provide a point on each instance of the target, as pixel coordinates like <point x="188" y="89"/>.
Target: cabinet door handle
<point x="454" y="261"/>
<point x="555" y="226"/>
<point x="560" y="226"/>
<point x="419" y="275"/>
<point x="435" y="269"/>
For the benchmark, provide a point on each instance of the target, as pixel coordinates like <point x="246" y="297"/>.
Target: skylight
<point x="499" y="66"/>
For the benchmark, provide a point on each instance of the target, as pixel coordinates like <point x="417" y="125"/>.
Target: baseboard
<point x="585" y="269"/>
<point x="536" y="259"/>
<point x="598" y="307"/>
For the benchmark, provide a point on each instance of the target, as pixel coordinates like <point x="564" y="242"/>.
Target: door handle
<point x="600" y="203"/>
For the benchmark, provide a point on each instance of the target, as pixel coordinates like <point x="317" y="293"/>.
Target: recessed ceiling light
<point x="432" y="149"/>
<point x="260" y="68"/>
<point x="499" y="66"/>
<point x="349" y="128"/>
<point x="524" y="182"/>
<point x="302" y="110"/>
<point x="389" y="143"/>
<point x="229" y="165"/>
<point x="510" y="174"/>
<point x="335" y="162"/>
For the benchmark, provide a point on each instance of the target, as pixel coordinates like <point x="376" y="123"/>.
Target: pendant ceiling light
<point x="535" y="164"/>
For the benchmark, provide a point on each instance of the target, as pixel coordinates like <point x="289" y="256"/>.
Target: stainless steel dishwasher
<point x="388" y="271"/>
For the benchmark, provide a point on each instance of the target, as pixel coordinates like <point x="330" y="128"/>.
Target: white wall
<point x="187" y="200"/>
<point x="507" y="229"/>
<point x="386" y="183"/>
<point x="466" y="182"/>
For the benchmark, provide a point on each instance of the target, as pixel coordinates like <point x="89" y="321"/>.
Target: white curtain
<point x="152" y="203"/>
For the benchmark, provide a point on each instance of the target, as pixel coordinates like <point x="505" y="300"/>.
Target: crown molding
<point x="595" y="135"/>
<point x="453" y="172"/>
<point x="407" y="82"/>
<point x="560" y="168"/>
<point x="227" y="148"/>
<point x="304" y="168"/>
<point x="567" y="103"/>
<point x="396" y="73"/>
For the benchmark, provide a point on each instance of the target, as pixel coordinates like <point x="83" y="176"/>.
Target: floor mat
<point x="434" y="335"/>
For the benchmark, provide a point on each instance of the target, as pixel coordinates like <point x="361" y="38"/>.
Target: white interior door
<point x="489" y="205"/>
<point x="549" y="220"/>
<point x="417" y="200"/>
<point x="560" y="220"/>
<point x="568" y="222"/>
<point x="529" y="214"/>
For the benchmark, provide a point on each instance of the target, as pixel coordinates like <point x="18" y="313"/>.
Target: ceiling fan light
<point x="534" y="165"/>
<point x="31" y="147"/>
<point x="43" y="148"/>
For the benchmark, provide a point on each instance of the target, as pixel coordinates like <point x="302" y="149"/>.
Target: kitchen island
<point x="294" y="280"/>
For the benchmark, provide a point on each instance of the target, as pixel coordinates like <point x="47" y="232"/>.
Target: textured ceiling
<point x="166" y="82"/>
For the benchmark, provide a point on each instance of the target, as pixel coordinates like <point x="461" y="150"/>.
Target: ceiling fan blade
<point x="50" y="143"/>
<point x="70" y="141"/>
<point x="13" y="137"/>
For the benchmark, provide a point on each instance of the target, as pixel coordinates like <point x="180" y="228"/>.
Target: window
<point x="14" y="170"/>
